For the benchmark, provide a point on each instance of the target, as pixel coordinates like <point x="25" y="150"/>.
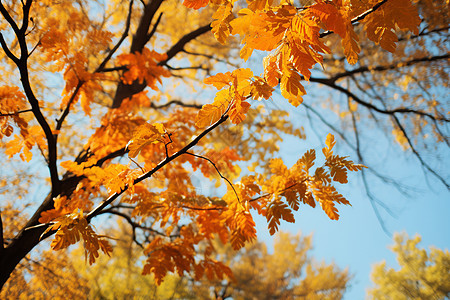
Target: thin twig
<point x="169" y="135"/>
<point x="122" y="38"/>
<point x="142" y="169"/>
<point x="155" y="26"/>
<point x="176" y="102"/>
<point x="16" y="113"/>
<point x="66" y="111"/>
<point x="218" y="172"/>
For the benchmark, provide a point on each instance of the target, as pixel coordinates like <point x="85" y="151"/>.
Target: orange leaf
<point x="330" y="209"/>
<point x="195" y="4"/>
<point x="261" y="89"/>
<point x="211" y="113"/>
<point x="237" y="115"/>
<point x="221" y="27"/>
<point x="291" y="88"/>
<point x="144" y="135"/>
<point x="219" y="80"/>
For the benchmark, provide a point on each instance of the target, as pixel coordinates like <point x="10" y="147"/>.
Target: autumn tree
<point x="287" y="273"/>
<point x="105" y="96"/>
<point x="422" y="274"/>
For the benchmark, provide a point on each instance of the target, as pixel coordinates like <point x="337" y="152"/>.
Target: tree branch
<point x="140" y="38"/>
<point x="26" y="17"/>
<point x="8" y="52"/>
<point x="358" y="18"/>
<point x="16" y="113"/>
<point x="419" y="157"/>
<point x="387" y="112"/>
<point x="9" y="19"/>
<point x="21" y="64"/>
<point x="130" y="221"/>
<point x="2" y="246"/>
<point x="389" y="67"/>
<point x="101" y="67"/>
<point x="155" y="26"/>
<point x="210" y="57"/>
<point x="187" y="68"/>
<point x="179" y="46"/>
<point x="163" y="163"/>
<point x="175" y="102"/>
<point x="330" y="83"/>
<point x="63" y="116"/>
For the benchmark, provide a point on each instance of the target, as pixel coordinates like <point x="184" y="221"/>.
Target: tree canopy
<point x="422" y="274"/>
<point x="125" y="103"/>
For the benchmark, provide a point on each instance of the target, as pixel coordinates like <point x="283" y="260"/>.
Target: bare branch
<point x="140" y="37"/>
<point x="210" y="57"/>
<point x="130" y="221"/>
<point x="176" y="102"/>
<point x="101" y="67"/>
<point x="187" y="68"/>
<point x="369" y="194"/>
<point x="357" y="99"/>
<point x="2" y="246"/>
<point x="112" y="69"/>
<point x="425" y="33"/>
<point x="419" y="157"/>
<point x="155" y="26"/>
<point x="395" y="65"/>
<point x="9" y="19"/>
<point x="63" y="116"/>
<point x="179" y="46"/>
<point x="8" y="52"/>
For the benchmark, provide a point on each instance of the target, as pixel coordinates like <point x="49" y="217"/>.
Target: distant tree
<point x="288" y="273"/>
<point x="422" y="274"/>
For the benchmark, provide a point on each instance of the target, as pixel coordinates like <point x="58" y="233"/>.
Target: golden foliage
<point x="422" y="275"/>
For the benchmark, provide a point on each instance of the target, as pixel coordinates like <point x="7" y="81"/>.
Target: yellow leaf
<point x="211" y="113"/>
<point x="351" y="47"/>
<point x="380" y="25"/>
<point x="144" y="135"/>
<point x="219" y="80"/>
<point x="330" y="142"/>
<point x="237" y="115"/>
<point x="330" y="209"/>
<point x="291" y="88"/>
<point x="261" y="89"/>
<point x="221" y="27"/>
